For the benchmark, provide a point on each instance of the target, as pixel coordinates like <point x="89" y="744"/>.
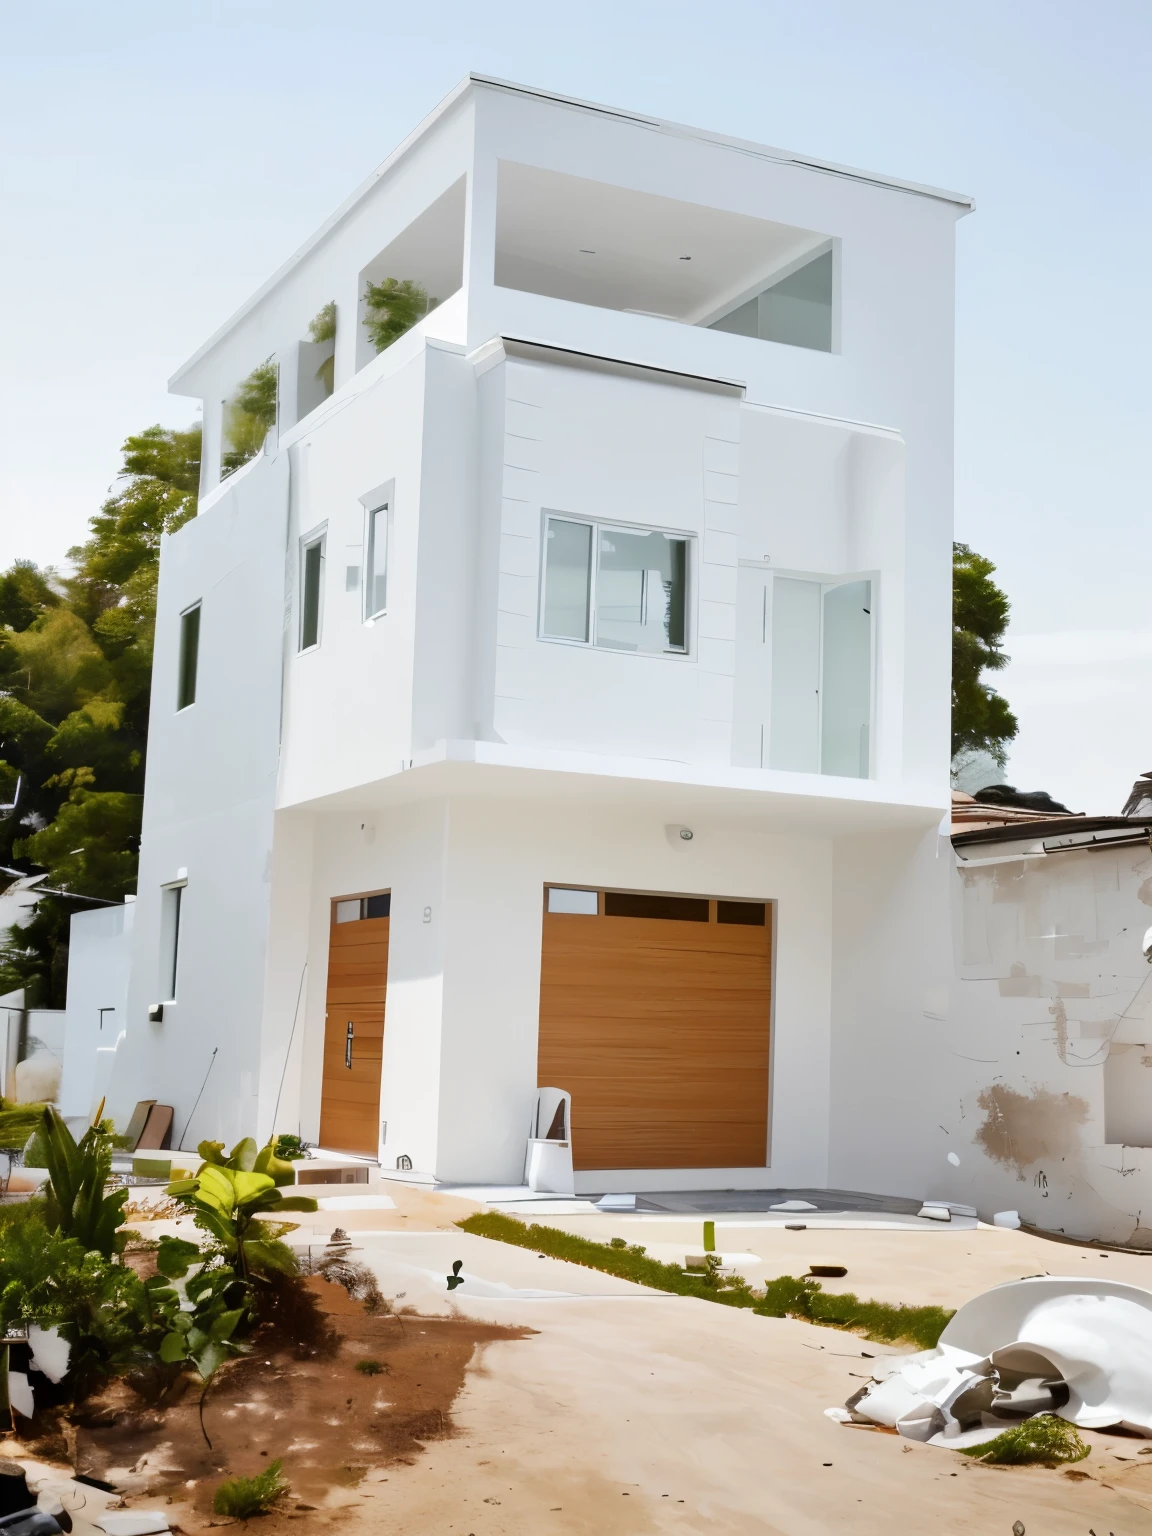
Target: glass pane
<point x="189" y="657"/>
<point x="750" y="914"/>
<point x="310" y="610"/>
<point x="641" y="591"/>
<point x="567" y="579"/>
<point x="348" y="911"/>
<point x="794" y="734"/>
<point x="376" y="597"/>
<point x="682" y="909"/>
<point x="580" y="903"/>
<point x="378" y="906"/>
<point x="846" y="684"/>
<point x="798" y="310"/>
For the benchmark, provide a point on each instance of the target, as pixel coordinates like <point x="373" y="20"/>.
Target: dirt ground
<point x="539" y="1398"/>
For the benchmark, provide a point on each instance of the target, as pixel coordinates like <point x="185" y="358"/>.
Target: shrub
<point x="74" y="1202"/>
<point x="369" y="1367"/>
<point x="243" y="1497"/>
<point x="393" y="307"/>
<point x="1045" y="1439"/>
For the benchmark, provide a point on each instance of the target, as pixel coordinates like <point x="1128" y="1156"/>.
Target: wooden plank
<point x="660" y="1031"/>
<point x="357" y="991"/>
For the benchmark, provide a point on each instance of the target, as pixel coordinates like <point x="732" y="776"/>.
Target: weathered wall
<point x="1048" y="1043"/>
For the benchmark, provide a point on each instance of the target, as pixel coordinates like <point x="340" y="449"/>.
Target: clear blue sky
<point x="161" y="160"/>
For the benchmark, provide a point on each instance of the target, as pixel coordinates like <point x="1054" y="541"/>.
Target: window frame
<point x="371" y="512"/>
<point x="318" y="538"/>
<point x="171" y="924"/>
<point x="687" y="652"/>
<point x="183" y="703"/>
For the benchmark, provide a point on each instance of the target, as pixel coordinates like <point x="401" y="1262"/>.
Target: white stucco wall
<point x="99" y="961"/>
<point x="1049" y="1103"/>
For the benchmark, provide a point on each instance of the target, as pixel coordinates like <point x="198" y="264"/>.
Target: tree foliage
<point x="75" y="675"/>
<point x="981" y="718"/>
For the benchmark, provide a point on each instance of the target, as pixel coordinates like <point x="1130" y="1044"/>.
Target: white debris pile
<point x="1079" y="1349"/>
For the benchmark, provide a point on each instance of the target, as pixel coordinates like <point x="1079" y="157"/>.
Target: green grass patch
<point x="1045" y="1439"/>
<point x="243" y="1497"/>
<point x="786" y="1296"/>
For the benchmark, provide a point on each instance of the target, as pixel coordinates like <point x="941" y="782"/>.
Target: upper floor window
<point x="171" y="911"/>
<point x="189" y="657"/>
<point x="376" y="562"/>
<point x="625" y="589"/>
<point x="311" y="591"/>
<point x="796" y="309"/>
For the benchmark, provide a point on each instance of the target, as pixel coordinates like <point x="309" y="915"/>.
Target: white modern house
<point x="560" y="697"/>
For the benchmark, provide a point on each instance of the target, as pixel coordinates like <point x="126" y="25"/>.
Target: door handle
<point x="348" y="1046"/>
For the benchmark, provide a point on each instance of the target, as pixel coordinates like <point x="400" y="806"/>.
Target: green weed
<point x="1045" y="1439"/>
<point x="786" y="1296"/>
<point x="243" y="1497"/>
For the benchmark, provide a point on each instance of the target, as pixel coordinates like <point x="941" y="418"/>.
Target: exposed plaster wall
<point x="1049" y="1042"/>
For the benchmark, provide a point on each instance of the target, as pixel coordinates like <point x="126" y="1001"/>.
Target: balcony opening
<point x="249" y="416"/>
<point x="413" y="274"/>
<point x="566" y="237"/>
<point x="316" y="366"/>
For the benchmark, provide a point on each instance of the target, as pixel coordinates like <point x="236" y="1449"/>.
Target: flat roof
<point x="492" y="82"/>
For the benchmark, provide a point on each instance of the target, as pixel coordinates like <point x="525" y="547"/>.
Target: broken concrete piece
<point x="131" y="1522"/>
<point x="1079" y="1349"/>
<point x="1009" y="1219"/>
<point x="935" y="1212"/>
<point x="794" y="1205"/>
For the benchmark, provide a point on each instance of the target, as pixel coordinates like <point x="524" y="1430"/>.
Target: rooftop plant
<point x="250" y="415"/>
<point x="392" y="307"/>
<point x="321" y="328"/>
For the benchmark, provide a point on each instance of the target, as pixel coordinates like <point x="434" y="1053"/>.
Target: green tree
<point x="75" y="676"/>
<point x="981" y="718"/>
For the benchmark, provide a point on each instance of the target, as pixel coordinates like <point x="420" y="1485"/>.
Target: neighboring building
<point x="573" y="677"/>
<point x="1049" y="1038"/>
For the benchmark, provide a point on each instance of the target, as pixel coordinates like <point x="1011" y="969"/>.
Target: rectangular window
<point x="567" y="578"/>
<point x="171" y="903"/>
<point x="683" y="909"/>
<point x="796" y="309"/>
<point x="311" y="590"/>
<point x="625" y="589"/>
<point x="376" y="569"/>
<point x="354" y="909"/>
<point x="189" y="657"/>
<point x="576" y="903"/>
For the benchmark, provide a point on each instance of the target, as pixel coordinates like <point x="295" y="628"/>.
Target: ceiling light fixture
<point x="584" y="252"/>
<point x="685" y="258"/>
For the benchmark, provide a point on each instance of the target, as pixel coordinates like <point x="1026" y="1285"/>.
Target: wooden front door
<point x="354" y="1027"/>
<point x="654" y="1015"/>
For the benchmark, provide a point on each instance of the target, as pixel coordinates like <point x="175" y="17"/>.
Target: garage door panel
<point x="660" y="1030"/>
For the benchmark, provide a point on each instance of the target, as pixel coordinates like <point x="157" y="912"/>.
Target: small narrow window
<point x="749" y="914"/>
<point x="171" y="903"/>
<point x="311" y="586"/>
<point x="189" y="657"/>
<point x="680" y="909"/>
<point x="567" y="579"/>
<point x="576" y="903"/>
<point x="376" y="579"/>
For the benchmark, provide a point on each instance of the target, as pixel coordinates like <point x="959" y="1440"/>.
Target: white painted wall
<point x="1048" y="1039"/>
<point x="208" y="809"/>
<point x="99" y="961"/>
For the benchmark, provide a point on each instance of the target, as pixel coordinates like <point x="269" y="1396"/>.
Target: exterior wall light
<point x="686" y="834"/>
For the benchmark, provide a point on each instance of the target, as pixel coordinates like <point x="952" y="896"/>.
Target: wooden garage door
<point x="354" y="1026"/>
<point x="654" y="1015"/>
